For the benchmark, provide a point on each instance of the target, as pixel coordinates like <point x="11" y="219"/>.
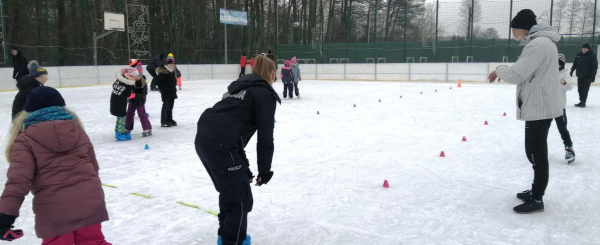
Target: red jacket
<point x="252" y="61"/>
<point x="243" y="62"/>
<point x="55" y="160"/>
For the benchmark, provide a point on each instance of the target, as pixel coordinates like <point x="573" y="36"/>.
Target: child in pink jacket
<point x="51" y="155"/>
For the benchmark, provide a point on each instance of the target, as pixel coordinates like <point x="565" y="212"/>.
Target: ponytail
<point x="264" y="67"/>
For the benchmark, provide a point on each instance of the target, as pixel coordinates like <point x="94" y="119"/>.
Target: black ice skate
<point x="570" y="155"/>
<point x="166" y="125"/>
<point x="530" y="206"/>
<point x="173" y="123"/>
<point x="524" y="196"/>
<point x="580" y="105"/>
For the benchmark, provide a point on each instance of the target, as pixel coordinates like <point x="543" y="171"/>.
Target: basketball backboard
<point x="114" y="22"/>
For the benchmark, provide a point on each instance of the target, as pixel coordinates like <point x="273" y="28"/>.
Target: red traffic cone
<point x="486" y="123"/>
<point x="386" y="184"/>
<point x="504" y="114"/>
<point x="464" y="138"/>
<point x="442" y="154"/>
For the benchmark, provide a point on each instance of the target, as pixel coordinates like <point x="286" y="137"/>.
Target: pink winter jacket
<point x="55" y="160"/>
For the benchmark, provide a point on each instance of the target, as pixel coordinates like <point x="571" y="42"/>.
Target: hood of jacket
<point x="590" y="52"/>
<point x="123" y="79"/>
<point x="541" y="30"/>
<point x="162" y="70"/>
<point x="57" y="136"/>
<point x="248" y="81"/>
<point x="28" y="82"/>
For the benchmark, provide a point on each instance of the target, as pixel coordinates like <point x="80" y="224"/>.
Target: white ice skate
<point x="570" y="154"/>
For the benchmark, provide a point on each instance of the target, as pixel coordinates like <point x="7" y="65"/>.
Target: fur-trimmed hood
<point x="124" y="80"/>
<point x="162" y="70"/>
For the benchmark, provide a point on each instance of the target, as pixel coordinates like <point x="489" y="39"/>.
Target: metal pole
<point x="95" y="50"/>
<point x="405" y="25"/>
<point x="437" y="17"/>
<point x="4" y="36"/>
<point x="277" y="25"/>
<point x="198" y="29"/>
<point x="47" y="18"/>
<point x="551" y="11"/>
<point x="225" y="7"/>
<point x="322" y="32"/>
<point x="471" y="30"/>
<point x="594" y="25"/>
<point x="84" y="20"/>
<point x="148" y="2"/>
<point x="348" y="34"/>
<point x="375" y="34"/>
<point x="509" y="32"/>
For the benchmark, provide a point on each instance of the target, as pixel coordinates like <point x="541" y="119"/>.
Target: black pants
<point x="288" y="87"/>
<point x="536" y="147"/>
<point x="583" y="86"/>
<point x="166" y="114"/>
<point x="243" y="72"/>
<point x="229" y="172"/>
<point x="297" y="90"/>
<point x="561" y="124"/>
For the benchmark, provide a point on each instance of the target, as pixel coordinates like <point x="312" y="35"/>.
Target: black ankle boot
<point x="530" y="206"/>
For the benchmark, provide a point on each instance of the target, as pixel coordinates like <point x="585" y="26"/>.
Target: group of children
<point x="290" y="73"/>
<point x="129" y="96"/>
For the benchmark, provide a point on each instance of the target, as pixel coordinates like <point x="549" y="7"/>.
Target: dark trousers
<point x="166" y="114"/>
<point x="153" y="83"/>
<point x="288" y="87"/>
<point x="296" y="89"/>
<point x="141" y="111"/>
<point x="536" y="147"/>
<point x="561" y="124"/>
<point x="583" y="86"/>
<point x="243" y="72"/>
<point x="230" y="174"/>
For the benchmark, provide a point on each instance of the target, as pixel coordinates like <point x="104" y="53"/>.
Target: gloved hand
<point x="571" y="73"/>
<point x="250" y="175"/>
<point x="593" y="79"/>
<point x="14" y="77"/>
<point x="264" y="178"/>
<point x="6" y="231"/>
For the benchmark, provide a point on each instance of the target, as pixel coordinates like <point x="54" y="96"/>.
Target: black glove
<point x="593" y="79"/>
<point x="263" y="178"/>
<point x="250" y="175"/>
<point x="6" y="231"/>
<point x="571" y="73"/>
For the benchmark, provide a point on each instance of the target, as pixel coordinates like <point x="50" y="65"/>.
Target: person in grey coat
<point x="538" y="98"/>
<point x="297" y="75"/>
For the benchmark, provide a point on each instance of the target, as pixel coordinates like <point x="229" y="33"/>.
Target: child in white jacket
<point x="561" y="122"/>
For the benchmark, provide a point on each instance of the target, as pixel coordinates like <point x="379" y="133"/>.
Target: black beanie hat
<point x="586" y="45"/>
<point x="525" y="19"/>
<point x="42" y="97"/>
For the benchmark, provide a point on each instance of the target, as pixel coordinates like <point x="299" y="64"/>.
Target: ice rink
<point x="329" y="169"/>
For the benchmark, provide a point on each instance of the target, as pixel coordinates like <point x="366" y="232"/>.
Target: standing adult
<point x="243" y="63"/>
<point x="37" y="77"/>
<point x="224" y="131"/>
<point x="538" y="98"/>
<point x="153" y="64"/>
<point x="586" y="64"/>
<point x="19" y="64"/>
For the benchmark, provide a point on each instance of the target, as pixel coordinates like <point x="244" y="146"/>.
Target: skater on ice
<point x="38" y="76"/>
<point x="586" y="64"/>
<point x="243" y="63"/>
<point x="561" y="122"/>
<point x="224" y="131"/>
<point x="137" y="103"/>
<point x="20" y="65"/>
<point x="121" y="90"/>
<point x="538" y="98"/>
<point x="287" y="78"/>
<point x="50" y="154"/>
<point x="153" y="64"/>
<point x="297" y="75"/>
<point x="166" y="81"/>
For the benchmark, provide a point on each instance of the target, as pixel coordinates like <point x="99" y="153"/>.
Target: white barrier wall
<point x="69" y="76"/>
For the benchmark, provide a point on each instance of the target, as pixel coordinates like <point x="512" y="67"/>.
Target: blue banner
<point x="232" y="17"/>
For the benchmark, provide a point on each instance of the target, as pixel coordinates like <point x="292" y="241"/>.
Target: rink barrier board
<point x="76" y="76"/>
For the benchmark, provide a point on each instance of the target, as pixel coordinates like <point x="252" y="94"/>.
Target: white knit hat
<point x="562" y="58"/>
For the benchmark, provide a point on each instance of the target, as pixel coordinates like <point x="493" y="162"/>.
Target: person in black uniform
<point x="166" y="82"/>
<point x="37" y="77"/>
<point x="153" y="64"/>
<point x="586" y="64"/>
<point x="19" y="63"/>
<point x="223" y="133"/>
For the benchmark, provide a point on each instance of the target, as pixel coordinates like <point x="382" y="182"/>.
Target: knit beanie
<point x="35" y="70"/>
<point x="130" y="72"/>
<point x="138" y="67"/>
<point x="170" y="59"/>
<point x="294" y="60"/>
<point x="42" y="97"/>
<point x="562" y="58"/>
<point x="525" y="19"/>
<point x="288" y="63"/>
<point x="586" y="45"/>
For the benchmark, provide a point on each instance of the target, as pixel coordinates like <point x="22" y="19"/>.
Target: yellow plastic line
<point x="141" y="195"/>
<point x="110" y="186"/>
<point x="189" y="205"/>
<point x="211" y="212"/>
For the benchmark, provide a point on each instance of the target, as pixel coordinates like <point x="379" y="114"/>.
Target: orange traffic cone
<point x="459" y="84"/>
<point x="386" y="184"/>
<point x="464" y="138"/>
<point x="442" y="154"/>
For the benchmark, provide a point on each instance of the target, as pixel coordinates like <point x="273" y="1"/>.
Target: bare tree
<point x="559" y="14"/>
<point x="490" y="33"/>
<point x="470" y="16"/>
<point x="573" y="17"/>
<point x="588" y="17"/>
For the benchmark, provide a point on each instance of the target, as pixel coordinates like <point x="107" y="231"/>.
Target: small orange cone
<point x="504" y="114"/>
<point x="486" y="123"/>
<point x="459" y="84"/>
<point x="464" y="138"/>
<point x="386" y="184"/>
<point x="442" y="154"/>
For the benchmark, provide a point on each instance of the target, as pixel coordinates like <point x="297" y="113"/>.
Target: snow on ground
<point x="329" y="169"/>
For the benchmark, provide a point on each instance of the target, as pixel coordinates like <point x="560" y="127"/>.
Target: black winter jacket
<point x="122" y="89"/>
<point x="247" y="107"/>
<point x="287" y="76"/>
<point x="166" y="81"/>
<point x="154" y="63"/>
<point x="20" y="66"/>
<point x="141" y="91"/>
<point x="586" y="64"/>
<point x="25" y="85"/>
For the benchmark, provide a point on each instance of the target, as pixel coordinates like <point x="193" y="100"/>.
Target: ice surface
<point x="329" y="169"/>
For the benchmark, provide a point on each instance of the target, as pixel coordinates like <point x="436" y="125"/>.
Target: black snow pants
<point x="561" y="124"/>
<point x="242" y="72"/>
<point x="536" y="147"/>
<point x="229" y="172"/>
<point x="288" y="87"/>
<point x="166" y="114"/>
<point x="583" y="86"/>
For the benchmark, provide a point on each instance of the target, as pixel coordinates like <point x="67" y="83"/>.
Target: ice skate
<point x="173" y="123"/>
<point x="248" y="241"/>
<point x="570" y="154"/>
<point x="147" y="133"/>
<point x="122" y="136"/>
<point x="525" y="195"/>
<point x="530" y="206"/>
<point x="166" y="125"/>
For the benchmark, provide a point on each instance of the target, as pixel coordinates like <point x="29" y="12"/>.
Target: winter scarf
<point x="47" y="114"/>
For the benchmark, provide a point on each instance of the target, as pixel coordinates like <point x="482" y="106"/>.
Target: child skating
<point x="561" y="122"/>
<point x="297" y="75"/>
<point x="287" y="78"/>
<point x="137" y="102"/>
<point x="122" y="89"/>
<point x="51" y="156"/>
<point x="167" y="85"/>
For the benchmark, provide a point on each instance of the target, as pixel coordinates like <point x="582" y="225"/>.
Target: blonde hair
<point x="264" y="67"/>
<point x="18" y="127"/>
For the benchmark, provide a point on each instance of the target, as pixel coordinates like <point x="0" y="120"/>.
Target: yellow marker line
<point x="141" y="195"/>
<point x="111" y="186"/>
<point x="211" y="212"/>
<point x="189" y="205"/>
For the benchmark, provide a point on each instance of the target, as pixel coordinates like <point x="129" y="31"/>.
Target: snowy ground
<point x="329" y="169"/>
